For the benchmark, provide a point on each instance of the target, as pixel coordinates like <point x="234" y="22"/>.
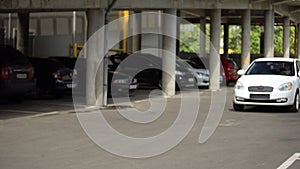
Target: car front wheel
<point x="238" y="107"/>
<point x="295" y="106"/>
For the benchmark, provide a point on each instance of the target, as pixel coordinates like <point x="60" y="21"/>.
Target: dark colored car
<point x="118" y="83"/>
<point x="52" y="77"/>
<point x="17" y="73"/>
<point x="230" y="69"/>
<point x="147" y="68"/>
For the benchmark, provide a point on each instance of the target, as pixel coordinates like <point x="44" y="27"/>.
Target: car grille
<point x="260" y="89"/>
<point x="260" y="96"/>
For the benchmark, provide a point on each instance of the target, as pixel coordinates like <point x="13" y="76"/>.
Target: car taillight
<point x="57" y="75"/>
<point x="4" y="72"/>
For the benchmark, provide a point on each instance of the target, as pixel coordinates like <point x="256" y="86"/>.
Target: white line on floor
<point x="290" y="161"/>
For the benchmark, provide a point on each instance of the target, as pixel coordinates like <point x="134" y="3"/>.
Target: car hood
<point x="204" y="71"/>
<point x="264" y="80"/>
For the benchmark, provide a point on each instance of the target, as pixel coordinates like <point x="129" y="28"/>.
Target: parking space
<point x="256" y="138"/>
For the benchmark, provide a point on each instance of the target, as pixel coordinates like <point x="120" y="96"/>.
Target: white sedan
<point x="201" y="73"/>
<point x="268" y="81"/>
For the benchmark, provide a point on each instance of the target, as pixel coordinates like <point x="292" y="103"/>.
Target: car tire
<point x="238" y="107"/>
<point x="295" y="106"/>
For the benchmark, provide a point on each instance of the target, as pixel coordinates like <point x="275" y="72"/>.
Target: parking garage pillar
<point x="269" y="34"/>
<point x="23" y="32"/>
<point x="169" y="57"/>
<point x="214" y="60"/>
<point x="136" y="39"/>
<point x="286" y="37"/>
<point x="94" y="69"/>
<point x="226" y="39"/>
<point x="298" y="40"/>
<point x="246" y="44"/>
<point x="202" y="37"/>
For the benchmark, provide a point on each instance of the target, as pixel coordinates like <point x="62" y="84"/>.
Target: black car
<point x="16" y="73"/>
<point x="147" y="68"/>
<point x="118" y="83"/>
<point x="52" y="77"/>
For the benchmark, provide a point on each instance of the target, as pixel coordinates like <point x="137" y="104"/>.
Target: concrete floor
<point x="46" y="134"/>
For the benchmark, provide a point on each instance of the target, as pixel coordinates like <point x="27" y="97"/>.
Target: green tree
<point x="190" y="38"/>
<point x="278" y="39"/>
<point x="255" y="39"/>
<point x="235" y="38"/>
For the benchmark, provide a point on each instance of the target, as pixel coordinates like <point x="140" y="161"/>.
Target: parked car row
<point x="228" y="71"/>
<point x="147" y="69"/>
<point x="54" y="76"/>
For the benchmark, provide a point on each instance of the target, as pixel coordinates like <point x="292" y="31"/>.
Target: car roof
<point x="275" y="59"/>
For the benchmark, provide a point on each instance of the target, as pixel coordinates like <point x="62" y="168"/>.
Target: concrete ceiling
<point x="190" y="9"/>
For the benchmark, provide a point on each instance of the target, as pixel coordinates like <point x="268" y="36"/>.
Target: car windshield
<point x="196" y="65"/>
<point x="271" y="68"/>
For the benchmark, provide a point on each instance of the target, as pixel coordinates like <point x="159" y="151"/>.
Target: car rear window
<point x="12" y="56"/>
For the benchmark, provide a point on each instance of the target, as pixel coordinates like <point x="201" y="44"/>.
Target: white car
<point x="201" y="73"/>
<point x="270" y="82"/>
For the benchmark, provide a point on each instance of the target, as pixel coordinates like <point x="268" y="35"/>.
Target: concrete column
<point x="246" y="44"/>
<point x="226" y="39"/>
<point x="169" y="57"/>
<point x="269" y="34"/>
<point x="178" y="34"/>
<point x="214" y="60"/>
<point x="202" y="36"/>
<point x="286" y="37"/>
<point x="94" y="69"/>
<point x="298" y="40"/>
<point x="23" y="31"/>
<point x="137" y="29"/>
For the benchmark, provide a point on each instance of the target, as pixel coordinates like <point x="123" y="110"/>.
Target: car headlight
<point x="239" y="86"/>
<point x="286" y="86"/>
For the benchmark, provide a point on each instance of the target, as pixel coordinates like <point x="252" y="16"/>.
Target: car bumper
<point x="65" y="85"/>
<point x="185" y="82"/>
<point x="283" y="98"/>
<point x="9" y="88"/>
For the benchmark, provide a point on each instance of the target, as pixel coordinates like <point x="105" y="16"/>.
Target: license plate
<point x="22" y="76"/>
<point x="66" y="78"/>
<point x="260" y="96"/>
<point x="191" y="79"/>
<point x="71" y="85"/>
<point x="132" y="86"/>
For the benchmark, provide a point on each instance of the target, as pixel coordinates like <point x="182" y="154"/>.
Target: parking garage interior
<point x="41" y="28"/>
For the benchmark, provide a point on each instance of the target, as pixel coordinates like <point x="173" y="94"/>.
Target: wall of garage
<point x="50" y="34"/>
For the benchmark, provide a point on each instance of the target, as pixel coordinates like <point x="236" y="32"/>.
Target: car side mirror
<point x="298" y="74"/>
<point x="241" y="72"/>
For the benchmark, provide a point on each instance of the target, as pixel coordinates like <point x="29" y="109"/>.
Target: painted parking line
<point x="290" y="161"/>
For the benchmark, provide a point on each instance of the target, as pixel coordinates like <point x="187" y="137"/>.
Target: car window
<point x="271" y="68"/>
<point x="232" y="63"/>
<point x="195" y="64"/>
<point x="10" y="55"/>
<point x="182" y="64"/>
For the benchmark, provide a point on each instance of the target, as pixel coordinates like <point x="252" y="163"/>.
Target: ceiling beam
<point x="294" y="9"/>
<point x="280" y="2"/>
